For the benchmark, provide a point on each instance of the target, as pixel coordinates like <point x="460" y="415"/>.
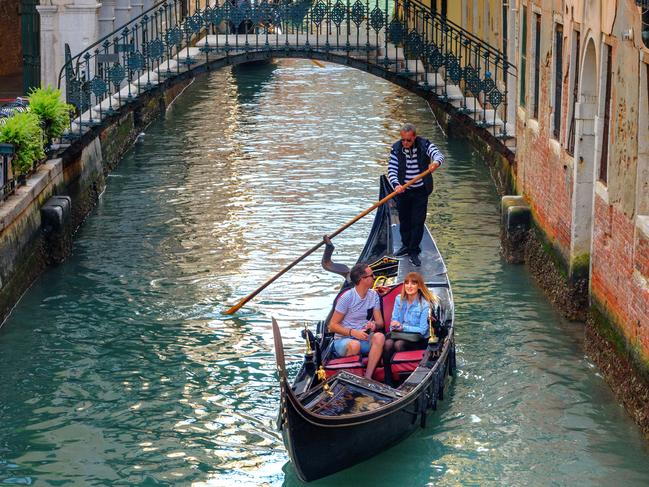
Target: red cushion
<point x="379" y="374"/>
<point x="402" y="362"/>
<point x="387" y="304"/>
<point x="359" y="371"/>
<point x="351" y="364"/>
<point x="343" y="362"/>
<point x="402" y="367"/>
<point x="410" y="356"/>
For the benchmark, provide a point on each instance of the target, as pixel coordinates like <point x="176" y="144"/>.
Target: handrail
<point x="107" y="37"/>
<point x="399" y="37"/>
<point x="463" y="32"/>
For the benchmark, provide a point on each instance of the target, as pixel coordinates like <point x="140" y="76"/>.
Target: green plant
<point x="24" y="131"/>
<point x="51" y="109"/>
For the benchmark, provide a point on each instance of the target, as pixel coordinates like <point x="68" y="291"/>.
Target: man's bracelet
<point x="350" y="331"/>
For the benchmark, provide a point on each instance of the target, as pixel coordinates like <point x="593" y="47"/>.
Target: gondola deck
<point x="349" y="394"/>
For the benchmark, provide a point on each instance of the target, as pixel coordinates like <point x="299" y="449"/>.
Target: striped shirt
<point x="355" y="310"/>
<point x="412" y="167"/>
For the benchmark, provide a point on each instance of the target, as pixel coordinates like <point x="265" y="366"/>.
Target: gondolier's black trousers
<point x="412" y="205"/>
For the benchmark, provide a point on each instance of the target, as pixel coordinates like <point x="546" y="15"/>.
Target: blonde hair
<point x="422" y="290"/>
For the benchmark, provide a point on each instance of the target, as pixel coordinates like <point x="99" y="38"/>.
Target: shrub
<point x="51" y="109"/>
<point x="24" y="131"/>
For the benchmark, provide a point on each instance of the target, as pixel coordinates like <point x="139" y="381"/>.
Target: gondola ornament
<point x="322" y="377"/>
<point x="309" y="351"/>
<point x="432" y="339"/>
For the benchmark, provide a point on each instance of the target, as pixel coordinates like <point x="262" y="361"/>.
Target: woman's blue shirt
<point x="413" y="317"/>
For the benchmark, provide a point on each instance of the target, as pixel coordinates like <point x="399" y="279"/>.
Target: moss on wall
<point x="624" y="368"/>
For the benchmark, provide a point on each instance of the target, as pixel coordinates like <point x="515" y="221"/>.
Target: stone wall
<point x="11" y="54"/>
<point x="588" y="221"/>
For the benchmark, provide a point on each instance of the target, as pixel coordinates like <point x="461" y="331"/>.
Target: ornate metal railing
<point x="133" y="48"/>
<point x="399" y="36"/>
<point x="7" y="176"/>
<point x="460" y="57"/>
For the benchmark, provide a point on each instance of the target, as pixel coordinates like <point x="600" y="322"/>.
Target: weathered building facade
<point x="581" y="104"/>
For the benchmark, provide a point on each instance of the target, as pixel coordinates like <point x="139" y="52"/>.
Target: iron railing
<point x="463" y="59"/>
<point x="7" y="176"/>
<point x="399" y="37"/>
<point x="134" y="48"/>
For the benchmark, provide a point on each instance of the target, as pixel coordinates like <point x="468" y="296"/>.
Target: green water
<point x="118" y="367"/>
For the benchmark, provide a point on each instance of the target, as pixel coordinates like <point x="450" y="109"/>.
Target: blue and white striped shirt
<point x="412" y="167"/>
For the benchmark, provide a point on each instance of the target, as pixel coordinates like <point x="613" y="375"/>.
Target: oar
<point x="387" y="198"/>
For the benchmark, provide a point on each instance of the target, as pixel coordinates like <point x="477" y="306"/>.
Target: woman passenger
<point x="410" y="314"/>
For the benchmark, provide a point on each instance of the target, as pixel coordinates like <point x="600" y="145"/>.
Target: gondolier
<point x="410" y="156"/>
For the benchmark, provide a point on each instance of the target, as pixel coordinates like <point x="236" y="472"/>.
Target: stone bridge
<point x="403" y="42"/>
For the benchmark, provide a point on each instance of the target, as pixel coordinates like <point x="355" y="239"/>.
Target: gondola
<point x="330" y="416"/>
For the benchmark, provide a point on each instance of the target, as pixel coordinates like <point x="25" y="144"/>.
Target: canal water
<point x="118" y="367"/>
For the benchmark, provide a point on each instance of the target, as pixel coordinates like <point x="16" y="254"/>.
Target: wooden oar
<point x="387" y="198"/>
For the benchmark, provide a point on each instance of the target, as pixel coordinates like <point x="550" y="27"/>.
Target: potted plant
<point x="24" y="131"/>
<point x="53" y="112"/>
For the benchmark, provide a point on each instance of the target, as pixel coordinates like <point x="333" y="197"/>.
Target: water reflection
<point x="119" y="367"/>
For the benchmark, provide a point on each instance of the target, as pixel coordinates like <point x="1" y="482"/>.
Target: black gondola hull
<point x="327" y="441"/>
<point x="320" y="446"/>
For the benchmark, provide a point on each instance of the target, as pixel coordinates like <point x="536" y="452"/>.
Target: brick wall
<point x="620" y="272"/>
<point x="11" y="61"/>
<point x="544" y="174"/>
<point x="545" y="179"/>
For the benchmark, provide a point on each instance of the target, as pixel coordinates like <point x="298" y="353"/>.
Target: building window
<point x="558" y="79"/>
<point x="645" y="24"/>
<point x="537" y="65"/>
<point x="603" y="163"/>
<point x="523" y="66"/>
<point x="574" y="63"/>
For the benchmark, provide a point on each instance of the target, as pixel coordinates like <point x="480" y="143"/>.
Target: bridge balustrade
<point x="402" y="38"/>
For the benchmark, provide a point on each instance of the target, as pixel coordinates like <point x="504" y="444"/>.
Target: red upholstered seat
<point x="387" y="304"/>
<point x="402" y="363"/>
<point x="405" y="362"/>
<point x="410" y="356"/>
<point x="351" y="364"/>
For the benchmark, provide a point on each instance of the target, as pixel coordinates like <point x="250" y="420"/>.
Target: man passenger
<point x="355" y="332"/>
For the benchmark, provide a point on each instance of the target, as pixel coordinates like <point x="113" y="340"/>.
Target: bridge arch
<point x="412" y="47"/>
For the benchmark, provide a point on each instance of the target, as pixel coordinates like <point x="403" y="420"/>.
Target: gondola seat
<point x="403" y="363"/>
<point x="351" y="364"/>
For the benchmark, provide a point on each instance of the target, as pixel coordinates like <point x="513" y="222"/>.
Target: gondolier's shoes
<point x="401" y="252"/>
<point x="414" y="260"/>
